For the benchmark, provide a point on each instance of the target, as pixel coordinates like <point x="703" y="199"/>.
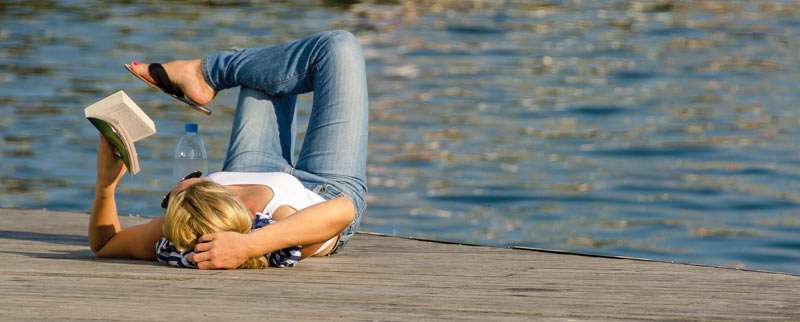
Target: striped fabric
<point x="287" y="257"/>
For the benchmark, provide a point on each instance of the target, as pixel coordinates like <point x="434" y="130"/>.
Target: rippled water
<point x="665" y="130"/>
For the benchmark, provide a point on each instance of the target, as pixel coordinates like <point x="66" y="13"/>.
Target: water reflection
<point x="658" y="129"/>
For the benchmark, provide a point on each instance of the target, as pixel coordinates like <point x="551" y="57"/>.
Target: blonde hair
<point x="203" y="208"/>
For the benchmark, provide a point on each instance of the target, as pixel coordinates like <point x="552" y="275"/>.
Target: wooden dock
<point x="48" y="273"/>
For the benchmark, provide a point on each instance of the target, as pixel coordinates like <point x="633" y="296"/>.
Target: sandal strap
<point x="159" y="74"/>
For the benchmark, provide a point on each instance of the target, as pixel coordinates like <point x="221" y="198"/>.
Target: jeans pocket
<point x="327" y="191"/>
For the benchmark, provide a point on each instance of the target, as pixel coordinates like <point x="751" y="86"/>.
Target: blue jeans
<point x="332" y="160"/>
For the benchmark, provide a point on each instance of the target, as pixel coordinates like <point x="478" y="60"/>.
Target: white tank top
<point x="286" y="190"/>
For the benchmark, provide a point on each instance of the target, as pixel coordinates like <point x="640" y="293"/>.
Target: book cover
<point x="117" y="141"/>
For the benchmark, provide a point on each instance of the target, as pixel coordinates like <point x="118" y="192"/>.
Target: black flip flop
<point x="164" y="84"/>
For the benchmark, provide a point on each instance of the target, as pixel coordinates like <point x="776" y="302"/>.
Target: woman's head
<point x="205" y="207"/>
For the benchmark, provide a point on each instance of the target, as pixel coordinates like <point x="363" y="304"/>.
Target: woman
<point x="331" y="164"/>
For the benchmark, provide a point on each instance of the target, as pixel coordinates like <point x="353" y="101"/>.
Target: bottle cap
<point x="191" y="127"/>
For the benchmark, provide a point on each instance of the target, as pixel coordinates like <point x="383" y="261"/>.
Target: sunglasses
<point x="165" y="201"/>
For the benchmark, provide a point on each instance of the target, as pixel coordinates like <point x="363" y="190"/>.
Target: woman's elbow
<point x="98" y="251"/>
<point x="98" y="247"/>
<point x="348" y="218"/>
<point x="348" y="213"/>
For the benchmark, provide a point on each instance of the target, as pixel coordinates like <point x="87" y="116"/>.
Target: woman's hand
<point x="223" y="250"/>
<point x="109" y="169"/>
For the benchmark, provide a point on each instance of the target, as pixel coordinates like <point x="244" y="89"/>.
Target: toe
<point x="141" y="70"/>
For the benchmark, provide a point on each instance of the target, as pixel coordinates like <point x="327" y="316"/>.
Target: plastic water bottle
<point x="190" y="153"/>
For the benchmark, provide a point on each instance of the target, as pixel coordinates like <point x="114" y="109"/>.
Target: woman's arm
<point x="106" y="237"/>
<point x="311" y="225"/>
<point x="283" y="212"/>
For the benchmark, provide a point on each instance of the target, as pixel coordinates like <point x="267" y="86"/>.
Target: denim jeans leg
<point x="335" y="144"/>
<point x="262" y="133"/>
<point x="333" y="157"/>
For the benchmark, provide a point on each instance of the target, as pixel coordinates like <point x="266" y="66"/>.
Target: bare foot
<point x="186" y="74"/>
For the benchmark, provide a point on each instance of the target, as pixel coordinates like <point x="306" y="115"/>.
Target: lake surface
<point x="662" y="130"/>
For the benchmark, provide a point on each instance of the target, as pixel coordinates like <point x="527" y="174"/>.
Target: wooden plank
<point x="48" y="273"/>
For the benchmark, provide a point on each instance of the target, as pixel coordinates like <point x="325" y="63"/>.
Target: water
<point x="190" y="154"/>
<point x="664" y="130"/>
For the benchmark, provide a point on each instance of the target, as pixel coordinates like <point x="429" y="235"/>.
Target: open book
<point x="122" y="123"/>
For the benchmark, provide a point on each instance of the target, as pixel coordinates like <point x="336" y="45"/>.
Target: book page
<point x="134" y="158"/>
<point x="121" y="110"/>
<point x="141" y="116"/>
<point x="124" y="117"/>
